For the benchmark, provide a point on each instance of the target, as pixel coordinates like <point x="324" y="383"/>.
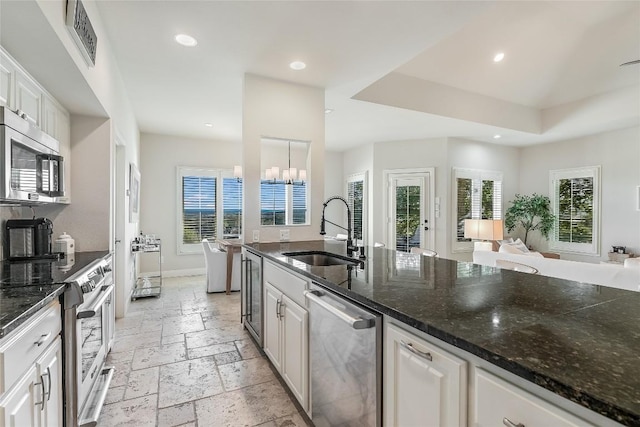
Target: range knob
<point x="107" y="268"/>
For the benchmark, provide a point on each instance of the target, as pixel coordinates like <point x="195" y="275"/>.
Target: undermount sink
<point x="320" y="258"/>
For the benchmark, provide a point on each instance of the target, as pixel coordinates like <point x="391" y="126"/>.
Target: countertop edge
<point x="586" y="400"/>
<point x="26" y="315"/>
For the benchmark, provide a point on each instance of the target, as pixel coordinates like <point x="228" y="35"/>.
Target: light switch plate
<point x="284" y="235"/>
<point x="256" y="236"/>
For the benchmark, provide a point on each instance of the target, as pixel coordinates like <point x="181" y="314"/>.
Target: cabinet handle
<point x="42" y="340"/>
<point x="418" y="353"/>
<point x="507" y="422"/>
<point x="48" y="374"/>
<point x="278" y="309"/>
<point x="41" y="384"/>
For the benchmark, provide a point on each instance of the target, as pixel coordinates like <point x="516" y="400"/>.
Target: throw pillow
<point x="502" y="242"/>
<point x="510" y="249"/>
<point x="520" y="245"/>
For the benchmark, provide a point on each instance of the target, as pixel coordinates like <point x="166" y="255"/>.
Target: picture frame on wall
<point x="134" y="193"/>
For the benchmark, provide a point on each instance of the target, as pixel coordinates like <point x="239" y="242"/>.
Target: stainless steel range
<point x="88" y="334"/>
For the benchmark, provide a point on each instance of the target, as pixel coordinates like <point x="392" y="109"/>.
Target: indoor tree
<point x="531" y="213"/>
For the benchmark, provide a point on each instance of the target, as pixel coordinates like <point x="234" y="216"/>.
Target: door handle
<point x="426" y="229"/>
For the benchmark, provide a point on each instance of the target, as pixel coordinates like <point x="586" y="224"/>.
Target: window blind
<point x="272" y="203"/>
<point x="231" y="207"/>
<point x="575" y="210"/>
<point x="198" y="208"/>
<point x="355" y="198"/>
<point x="299" y="201"/>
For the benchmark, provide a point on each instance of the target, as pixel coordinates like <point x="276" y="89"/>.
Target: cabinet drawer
<point x="288" y="283"/>
<point x="498" y="402"/>
<point x="22" y="347"/>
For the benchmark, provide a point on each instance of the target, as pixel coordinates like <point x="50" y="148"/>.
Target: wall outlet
<point x="256" y="236"/>
<point x="284" y="235"/>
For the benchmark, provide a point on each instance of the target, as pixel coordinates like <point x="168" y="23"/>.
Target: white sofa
<point x="615" y="276"/>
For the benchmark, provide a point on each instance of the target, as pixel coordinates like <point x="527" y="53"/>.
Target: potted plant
<point x="531" y="213"/>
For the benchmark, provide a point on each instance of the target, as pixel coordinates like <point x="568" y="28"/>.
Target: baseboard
<point x="177" y="273"/>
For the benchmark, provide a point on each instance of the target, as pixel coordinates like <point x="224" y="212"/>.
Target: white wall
<point x="277" y="109"/>
<point x="334" y="185"/>
<point x="618" y="154"/>
<point x="160" y="156"/>
<point x="360" y="160"/>
<point x="88" y="218"/>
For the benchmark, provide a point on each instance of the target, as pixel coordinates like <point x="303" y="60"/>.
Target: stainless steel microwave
<point x="32" y="168"/>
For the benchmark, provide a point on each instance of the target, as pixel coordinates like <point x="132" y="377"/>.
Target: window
<point x="282" y="204"/>
<point x="356" y="193"/>
<point x="575" y="200"/>
<point x="210" y="207"/>
<point x="478" y="195"/>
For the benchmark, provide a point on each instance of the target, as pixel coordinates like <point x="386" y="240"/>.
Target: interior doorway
<point x="409" y="213"/>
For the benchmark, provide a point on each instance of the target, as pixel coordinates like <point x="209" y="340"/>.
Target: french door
<point x="408" y="213"/>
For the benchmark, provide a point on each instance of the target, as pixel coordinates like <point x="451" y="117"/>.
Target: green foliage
<point x="531" y="213"/>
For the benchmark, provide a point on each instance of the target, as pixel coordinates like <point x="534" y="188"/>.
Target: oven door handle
<point x="91" y="311"/>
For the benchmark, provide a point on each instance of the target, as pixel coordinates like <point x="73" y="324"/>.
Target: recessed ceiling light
<point x="497" y="136"/>
<point x="499" y="57"/>
<point x="186" y="40"/>
<point x="328" y="111"/>
<point x="209" y="125"/>
<point x="298" y="65"/>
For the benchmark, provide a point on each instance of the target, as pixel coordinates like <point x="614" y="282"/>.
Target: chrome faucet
<point x="350" y="246"/>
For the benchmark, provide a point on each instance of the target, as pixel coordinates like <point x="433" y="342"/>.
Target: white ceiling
<point x="560" y="71"/>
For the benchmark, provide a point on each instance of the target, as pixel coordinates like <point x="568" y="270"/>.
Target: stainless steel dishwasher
<point x="345" y="351"/>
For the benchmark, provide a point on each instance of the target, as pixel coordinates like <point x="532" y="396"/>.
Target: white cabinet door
<point x="7" y="83"/>
<point x="50" y="117"/>
<point x="424" y="386"/>
<point x="18" y="407"/>
<point x="498" y="403"/>
<point x="295" y="360"/>
<point x="29" y="99"/>
<point x="49" y="369"/>
<point x="272" y="329"/>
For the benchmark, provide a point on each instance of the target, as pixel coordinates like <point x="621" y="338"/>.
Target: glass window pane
<point x="272" y="203"/>
<point x="232" y="208"/>
<point x="198" y="208"/>
<point x="299" y="198"/>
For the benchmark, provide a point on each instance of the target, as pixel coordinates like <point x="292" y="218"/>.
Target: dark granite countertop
<point x="28" y="286"/>
<point x="577" y="340"/>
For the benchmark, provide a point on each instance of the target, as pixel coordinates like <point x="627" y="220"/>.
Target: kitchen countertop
<point x="577" y="340"/>
<point x="28" y="286"/>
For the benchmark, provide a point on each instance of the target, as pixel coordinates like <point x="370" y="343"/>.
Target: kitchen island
<point x="577" y="340"/>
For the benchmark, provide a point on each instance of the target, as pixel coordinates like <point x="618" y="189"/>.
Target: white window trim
<point x="592" y="249"/>
<point x="361" y="176"/>
<point x="476" y="174"/>
<point x="182" y="171"/>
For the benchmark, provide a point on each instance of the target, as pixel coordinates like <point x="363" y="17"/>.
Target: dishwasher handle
<point x="355" y="322"/>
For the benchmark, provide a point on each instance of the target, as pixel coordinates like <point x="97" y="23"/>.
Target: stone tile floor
<point x="183" y="359"/>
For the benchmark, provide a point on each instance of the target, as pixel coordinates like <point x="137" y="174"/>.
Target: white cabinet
<point x="295" y="355"/>
<point x="7" y="82"/>
<point x="499" y="403"/>
<point x="29" y="98"/>
<point x="286" y="329"/>
<point x="424" y="385"/>
<point x="49" y="369"/>
<point x="272" y="326"/>
<point x="31" y="372"/>
<point x="18" y="406"/>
